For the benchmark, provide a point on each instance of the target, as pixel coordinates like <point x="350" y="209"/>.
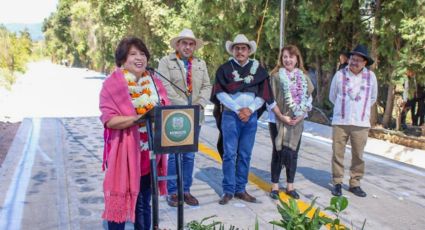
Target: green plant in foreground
<point x="195" y="225"/>
<point x="294" y="219"/>
<point x="215" y="225"/>
<point x="337" y="205"/>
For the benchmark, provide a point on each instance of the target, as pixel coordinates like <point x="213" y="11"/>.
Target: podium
<point x="171" y="130"/>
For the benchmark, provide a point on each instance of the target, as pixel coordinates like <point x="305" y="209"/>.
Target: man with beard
<point x="189" y="73"/>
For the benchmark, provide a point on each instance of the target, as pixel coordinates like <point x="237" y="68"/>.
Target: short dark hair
<point x="121" y="52"/>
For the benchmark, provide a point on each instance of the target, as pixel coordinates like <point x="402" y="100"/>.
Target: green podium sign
<point x="176" y="129"/>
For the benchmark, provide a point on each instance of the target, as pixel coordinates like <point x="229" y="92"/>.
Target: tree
<point x="15" y="52"/>
<point x="88" y="32"/>
<point x="82" y="31"/>
<point x="322" y="29"/>
<point x="57" y="32"/>
<point x="412" y="54"/>
<point x="390" y="44"/>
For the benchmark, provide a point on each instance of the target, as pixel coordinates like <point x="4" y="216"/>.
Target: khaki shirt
<point x="174" y="70"/>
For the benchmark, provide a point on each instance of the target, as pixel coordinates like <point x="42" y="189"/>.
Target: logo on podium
<point x="176" y="129"/>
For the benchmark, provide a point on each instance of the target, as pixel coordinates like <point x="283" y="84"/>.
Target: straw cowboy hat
<point x="241" y="39"/>
<point x="186" y="34"/>
<point x="362" y="51"/>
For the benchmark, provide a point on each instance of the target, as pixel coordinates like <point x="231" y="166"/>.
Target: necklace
<point x="188" y="72"/>
<point x="353" y="94"/>
<point x="252" y="71"/>
<point x="144" y="95"/>
<point x="347" y="89"/>
<point x="294" y="86"/>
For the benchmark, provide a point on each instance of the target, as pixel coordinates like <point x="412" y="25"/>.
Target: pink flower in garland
<point x="294" y="88"/>
<point x="357" y="98"/>
<point x="297" y="88"/>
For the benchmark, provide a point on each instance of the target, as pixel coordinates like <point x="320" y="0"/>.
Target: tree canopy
<point x="87" y="32"/>
<point x="15" y="51"/>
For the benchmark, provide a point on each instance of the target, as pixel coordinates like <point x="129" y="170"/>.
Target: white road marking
<point x="13" y="206"/>
<point x="44" y="154"/>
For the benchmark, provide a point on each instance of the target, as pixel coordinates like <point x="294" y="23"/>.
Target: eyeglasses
<point x="357" y="60"/>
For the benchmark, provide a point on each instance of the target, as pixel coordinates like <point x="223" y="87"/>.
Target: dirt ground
<point x="7" y="133"/>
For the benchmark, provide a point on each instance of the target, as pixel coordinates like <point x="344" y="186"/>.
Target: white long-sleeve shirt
<point x="240" y="100"/>
<point x="353" y="110"/>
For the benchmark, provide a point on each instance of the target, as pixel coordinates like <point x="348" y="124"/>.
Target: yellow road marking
<point x="261" y="183"/>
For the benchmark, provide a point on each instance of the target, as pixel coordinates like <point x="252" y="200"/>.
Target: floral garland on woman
<point x="144" y="97"/>
<point x="143" y="92"/>
<point x="294" y="86"/>
<point x="248" y="79"/>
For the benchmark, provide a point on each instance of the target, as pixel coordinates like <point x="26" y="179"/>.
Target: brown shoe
<point x="190" y="200"/>
<point x="245" y="196"/>
<point x="172" y="200"/>
<point x="225" y="199"/>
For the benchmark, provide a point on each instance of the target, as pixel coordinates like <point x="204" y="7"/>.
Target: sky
<point x="26" y="11"/>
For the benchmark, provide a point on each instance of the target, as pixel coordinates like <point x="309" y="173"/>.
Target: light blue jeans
<point x="238" y="142"/>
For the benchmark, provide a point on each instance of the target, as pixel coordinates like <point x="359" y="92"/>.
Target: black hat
<point x="362" y="51"/>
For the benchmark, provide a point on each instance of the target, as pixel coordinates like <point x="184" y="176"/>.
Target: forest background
<point x="85" y="34"/>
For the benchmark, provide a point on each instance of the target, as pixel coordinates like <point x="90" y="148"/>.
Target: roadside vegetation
<point x="85" y="33"/>
<point x="15" y="51"/>
<point x="292" y="218"/>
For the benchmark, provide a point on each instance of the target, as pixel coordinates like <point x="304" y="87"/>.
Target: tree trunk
<point x="319" y="78"/>
<point x="399" y="112"/>
<point x="389" y="106"/>
<point x="374" y="115"/>
<point x="374" y="53"/>
<point x="398" y="121"/>
<point x="421" y="104"/>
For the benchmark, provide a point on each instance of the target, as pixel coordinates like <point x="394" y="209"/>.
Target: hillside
<point x="33" y="29"/>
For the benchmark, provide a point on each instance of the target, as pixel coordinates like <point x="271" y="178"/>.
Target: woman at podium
<point x="126" y="96"/>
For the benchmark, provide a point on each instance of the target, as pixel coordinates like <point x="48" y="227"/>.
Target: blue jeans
<point x="143" y="206"/>
<point x="237" y="136"/>
<point x="188" y="160"/>
<point x="116" y="226"/>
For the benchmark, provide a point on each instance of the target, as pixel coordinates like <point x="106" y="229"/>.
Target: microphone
<point x="186" y="93"/>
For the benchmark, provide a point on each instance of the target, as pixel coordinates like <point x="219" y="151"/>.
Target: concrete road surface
<point x="52" y="178"/>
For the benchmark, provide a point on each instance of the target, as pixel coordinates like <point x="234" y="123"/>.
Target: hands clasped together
<point x="244" y="114"/>
<point x="288" y="120"/>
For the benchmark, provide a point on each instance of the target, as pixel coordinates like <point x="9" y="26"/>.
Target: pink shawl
<point x="121" y="152"/>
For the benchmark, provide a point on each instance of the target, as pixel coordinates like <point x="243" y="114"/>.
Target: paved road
<point x="52" y="179"/>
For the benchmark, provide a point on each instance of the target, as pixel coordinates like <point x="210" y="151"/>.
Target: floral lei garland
<point x="143" y="92"/>
<point x="348" y="90"/>
<point x="189" y="72"/>
<point x="295" y="91"/>
<point x="248" y="79"/>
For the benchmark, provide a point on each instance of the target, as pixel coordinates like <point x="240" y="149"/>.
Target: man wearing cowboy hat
<point x="189" y="73"/>
<point x="353" y="92"/>
<point x="241" y="87"/>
